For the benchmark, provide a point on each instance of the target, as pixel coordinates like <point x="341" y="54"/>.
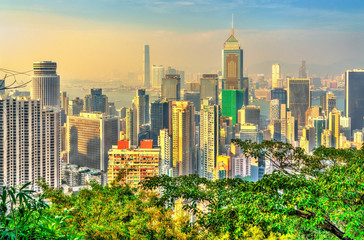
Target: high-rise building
<point x="231" y="102"/>
<point x="146" y="67"/>
<point x="240" y="166"/>
<point x="2" y="86"/>
<point x="209" y="88"/>
<point x="159" y="118"/>
<point x="319" y="123"/>
<point x="45" y="83"/>
<point x="275" y="110"/>
<point x="75" y="106"/>
<point x="30" y="143"/>
<point x="354" y="97"/>
<point x="209" y="138"/>
<point x="232" y="63"/>
<point x="96" y="101"/>
<point x="345" y="126"/>
<point x="141" y="105"/>
<point x="328" y="102"/>
<point x="223" y="167"/>
<point x="136" y="165"/>
<point x="183" y="138"/>
<point x="165" y="145"/>
<point x="276" y="74"/>
<point x="280" y="94"/>
<point x="248" y="131"/>
<point x="131" y="125"/>
<point x="157" y="76"/>
<point x="90" y="136"/>
<point x="302" y="73"/>
<point x="194" y="97"/>
<point x="299" y="98"/>
<point x="64" y="102"/>
<point x="171" y="87"/>
<point x="334" y="127"/>
<point x="249" y="114"/>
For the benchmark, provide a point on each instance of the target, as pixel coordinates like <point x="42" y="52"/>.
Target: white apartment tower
<point x="165" y="144"/>
<point x="209" y="138"/>
<point x="45" y="83"/>
<point x="30" y="143"/>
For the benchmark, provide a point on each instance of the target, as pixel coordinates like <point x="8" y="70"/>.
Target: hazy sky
<point x="103" y="39"/>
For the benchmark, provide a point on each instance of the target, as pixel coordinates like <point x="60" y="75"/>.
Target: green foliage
<point x="308" y="197"/>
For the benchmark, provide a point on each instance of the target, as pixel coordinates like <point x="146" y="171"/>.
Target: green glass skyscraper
<point x="231" y="102"/>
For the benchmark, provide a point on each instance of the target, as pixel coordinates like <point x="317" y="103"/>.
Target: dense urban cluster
<point x="188" y="128"/>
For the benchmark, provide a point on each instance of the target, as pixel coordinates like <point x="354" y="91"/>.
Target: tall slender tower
<point x="146" y="67"/>
<point x="45" y="83"/>
<point x="299" y="98"/>
<point x="232" y="63"/>
<point x="354" y="98"/>
<point x="276" y="74"/>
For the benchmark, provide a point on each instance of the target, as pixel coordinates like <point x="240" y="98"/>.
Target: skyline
<point x="104" y="43"/>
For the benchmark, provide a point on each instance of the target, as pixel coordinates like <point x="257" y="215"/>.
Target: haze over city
<point x="103" y="40"/>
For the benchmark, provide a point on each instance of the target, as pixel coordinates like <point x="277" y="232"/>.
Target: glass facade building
<point x="354" y="97"/>
<point x="299" y="98"/>
<point x="231" y="102"/>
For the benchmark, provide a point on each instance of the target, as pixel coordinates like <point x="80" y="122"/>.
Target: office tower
<point x="257" y="168"/>
<point x="90" y="136"/>
<point x="2" y="86"/>
<point x="131" y="131"/>
<point x="334" y="127"/>
<point x="280" y="94"/>
<point x="249" y="114"/>
<point x="192" y="86"/>
<point x="121" y="112"/>
<point x="248" y="131"/>
<point x="328" y="102"/>
<point x="275" y="110"/>
<point x="136" y="165"/>
<point x="319" y="124"/>
<point x="45" y="83"/>
<point x="141" y="106"/>
<point x="96" y="101"/>
<point x="231" y="102"/>
<point x="165" y="145"/>
<point x="30" y="143"/>
<point x="64" y="102"/>
<point x="299" y="98"/>
<point x="283" y="115"/>
<point x="157" y="76"/>
<point x="354" y="97"/>
<point x="223" y="167"/>
<point x="182" y="76"/>
<point x="276" y="74"/>
<point x="240" y="166"/>
<point x="292" y="128"/>
<point x="302" y="71"/>
<point x="309" y="136"/>
<point x="345" y="126"/>
<point x="159" y="118"/>
<point x="75" y="106"/>
<point x="232" y="63"/>
<point x="209" y="88"/>
<point x="183" y="138"/>
<point x="193" y="97"/>
<point x="146" y="67"/>
<point x="209" y="138"/>
<point x="112" y="109"/>
<point x="311" y="113"/>
<point x="171" y="87"/>
<point x="326" y="138"/>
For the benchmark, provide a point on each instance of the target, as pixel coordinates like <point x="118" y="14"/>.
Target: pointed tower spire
<point x="232" y="24"/>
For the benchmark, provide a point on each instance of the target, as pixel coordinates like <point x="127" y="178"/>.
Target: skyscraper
<point x="319" y="124"/>
<point x="334" y="127"/>
<point x="96" y="101"/>
<point x="146" y="67"/>
<point x="165" y="145"/>
<point x="45" y="83"/>
<point x="157" y="76"/>
<point x="209" y="88"/>
<point x="328" y="102"/>
<point x="354" y="97"/>
<point x="249" y="114"/>
<point x="183" y="138"/>
<point x="30" y="143"/>
<point x="194" y="97"/>
<point x="232" y="63"/>
<point x="171" y="87"/>
<point x="276" y="74"/>
<point x="75" y="106"/>
<point x="275" y="110"/>
<point x="90" y="136"/>
<point x="64" y="101"/>
<point x="279" y="93"/>
<point x="302" y="73"/>
<point x="159" y="118"/>
<point x="209" y="138"/>
<point x="299" y="98"/>
<point x="231" y="102"/>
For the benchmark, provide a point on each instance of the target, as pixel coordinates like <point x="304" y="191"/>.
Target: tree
<point x="317" y="196"/>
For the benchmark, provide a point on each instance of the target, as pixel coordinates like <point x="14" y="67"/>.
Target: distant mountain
<point x="336" y="68"/>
